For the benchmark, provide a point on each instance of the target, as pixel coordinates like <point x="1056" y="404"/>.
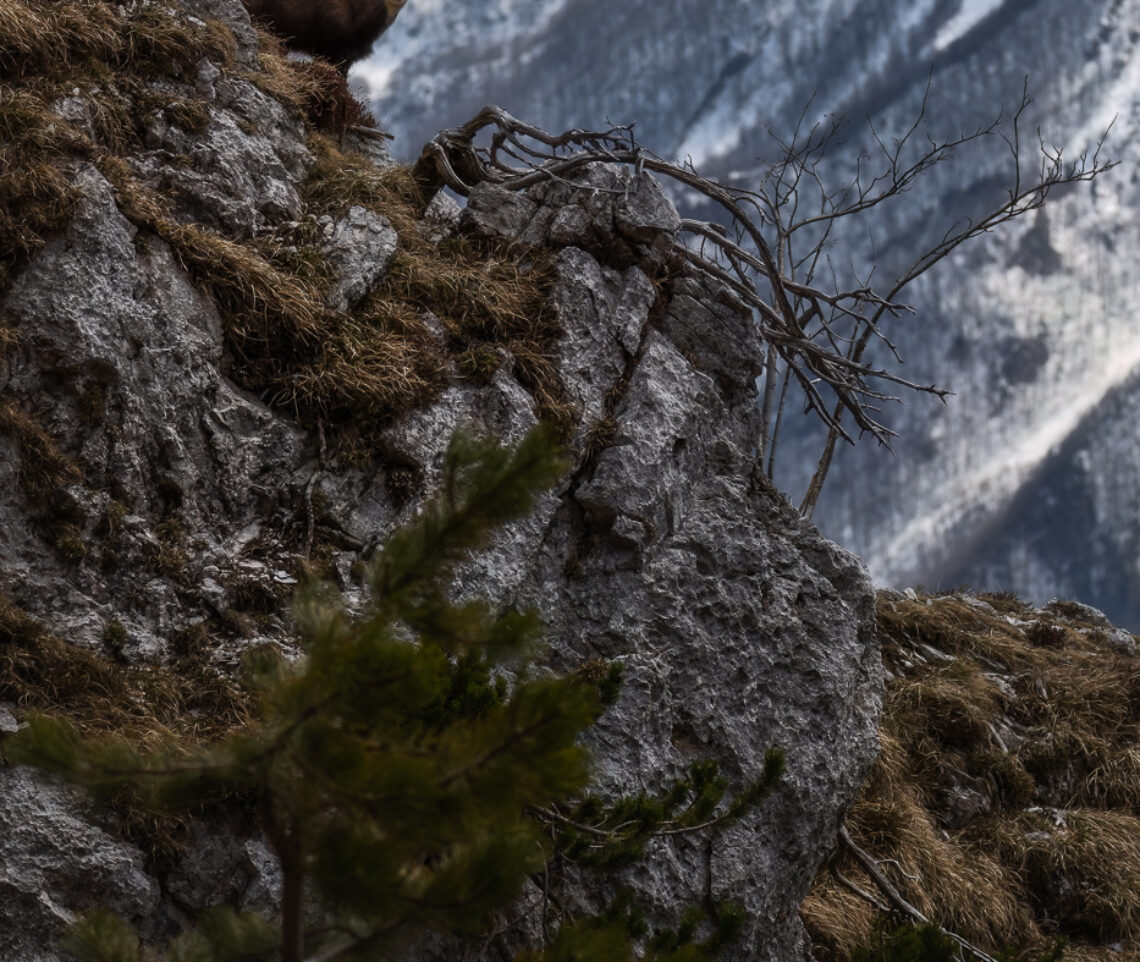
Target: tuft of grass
<point x="280" y="78"/>
<point x="309" y="360"/>
<point x="189" y="116"/>
<point x="152" y="705"/>
<point x="37" y="197"/>
<point x="1082" y="867"/>
<point x="953" y="706"/>
<point x="382" y="359"/>
<point x="1040" y="721"/>
<point x="1045" y="635"/>
<point x="479" y="363"/>
<point x="485" y="295"/>
<point x="114" y="638"/>
<point x="170" y="558"/>
<point x="599" y="437"/>
<point x="102" y="54"/>
<point x="44" y="468"/>
<point x="286" y="344"/>
<point x="9" y="339"/>
<point x="39" y="38"/>
<point x="69" y="544"/>
<point x="42" y="672"/>
<point x="262" y="305"/>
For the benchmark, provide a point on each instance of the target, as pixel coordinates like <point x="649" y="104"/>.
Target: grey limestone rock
<point x="360" y="249"/>
<point x="219" y="867"/>
<point x="738" y="626"/>
<point x="494" y="211"/>
<point x="709" y="324"/>
<point x="233" y="14"/>
<point x="237" y="179"/>
<point x="605" y="206"/>
<point x="1080" y="612"/>
<point x="56" y="863"/>
<point x="602" y="313"/>
<point x="1123" y="641"/>
<point x="172" y="431"/>
<point x="609" y="201"/>
<point x="646" y="475"/>
<point x="8" y="723"/>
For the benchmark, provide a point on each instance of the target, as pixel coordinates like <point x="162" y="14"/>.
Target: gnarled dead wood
<point x="769" y="253"/>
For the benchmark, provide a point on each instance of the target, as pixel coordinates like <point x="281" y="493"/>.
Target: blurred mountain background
<point x="1028" y="478"/>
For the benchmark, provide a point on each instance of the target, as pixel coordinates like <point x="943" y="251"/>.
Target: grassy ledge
<point x="1006" y="799"/>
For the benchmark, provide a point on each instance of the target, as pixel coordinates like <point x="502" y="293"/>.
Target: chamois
<point x="341" y="31"/>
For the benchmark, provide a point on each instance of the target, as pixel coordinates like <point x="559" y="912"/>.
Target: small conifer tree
<point x="399" y="776"/>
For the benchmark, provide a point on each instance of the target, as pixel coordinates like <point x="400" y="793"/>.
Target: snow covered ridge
<point x="970" y="14"/>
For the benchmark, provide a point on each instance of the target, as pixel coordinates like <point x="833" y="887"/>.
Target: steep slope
<point x="1031" y="330"/>
<point x="233" y="355"/>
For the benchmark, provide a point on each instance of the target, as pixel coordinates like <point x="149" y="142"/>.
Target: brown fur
<point x="342" y="31"/>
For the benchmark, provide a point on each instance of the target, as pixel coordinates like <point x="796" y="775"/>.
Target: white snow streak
<point x="995" y="483"/>
<point x="972" y="12"/>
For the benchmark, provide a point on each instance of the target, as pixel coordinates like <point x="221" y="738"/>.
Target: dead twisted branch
<point x="775" y="252"/>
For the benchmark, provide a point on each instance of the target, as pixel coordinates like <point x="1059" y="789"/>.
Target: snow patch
<point x="969" y="15"/>
<point x="991" y="486"/>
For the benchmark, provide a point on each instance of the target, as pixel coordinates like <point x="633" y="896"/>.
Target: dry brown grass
<point x="260" y="304"/>
<point x="42" y="672"/>
<point x="51" y="37"/>
<point x="944" y="707"/>
<point x="287" y="345"/>
<point x="36" y="193"/>
<point x="44" y="468"/>
<point x="9" y="339"/>
<point x="312" y="361"/>
<point x="348" y="370"/>
<point x="1021" y="723"/>
<point x="61" y="37"/>
<point x="954" y="627"/>
<point x="1081" y="866"/>
<point x="382" y="359"/>
<point x="102" y="54"/>
<point x="484" y="295"/>
<point x="280" y="77"/>
<point x="188" y="703"/>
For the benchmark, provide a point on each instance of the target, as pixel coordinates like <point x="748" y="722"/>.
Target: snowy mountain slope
<point x="1032" y="328"/>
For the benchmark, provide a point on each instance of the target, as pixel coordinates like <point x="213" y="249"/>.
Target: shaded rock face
<point x="739" y="627"/>
<point x="54" y="862"/>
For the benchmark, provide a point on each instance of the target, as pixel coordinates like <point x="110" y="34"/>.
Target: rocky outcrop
<point x="739" y="627"/>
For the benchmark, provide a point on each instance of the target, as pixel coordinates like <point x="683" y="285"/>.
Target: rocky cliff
<point x="232" y="355"/>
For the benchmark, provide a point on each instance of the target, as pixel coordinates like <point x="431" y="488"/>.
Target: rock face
<point x="739" y="627"/>
<point x="56" y="862"/>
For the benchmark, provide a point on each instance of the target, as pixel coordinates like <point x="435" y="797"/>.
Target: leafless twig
<point x="776" y="248"/>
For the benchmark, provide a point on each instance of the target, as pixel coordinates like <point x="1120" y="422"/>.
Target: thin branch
<point x="895" y="899"/>
<point x="820" y="334"/>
